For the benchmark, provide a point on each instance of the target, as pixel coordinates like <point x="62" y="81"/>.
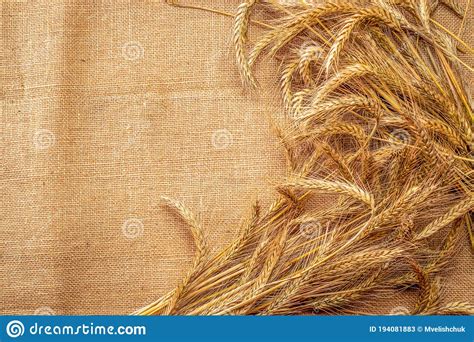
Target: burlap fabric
<point x="106" y="106"/>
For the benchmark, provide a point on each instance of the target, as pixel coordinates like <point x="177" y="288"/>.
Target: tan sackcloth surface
<point x="108" y="105"/>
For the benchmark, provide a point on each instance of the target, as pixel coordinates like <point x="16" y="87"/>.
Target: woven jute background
<point x="108" y="105"/>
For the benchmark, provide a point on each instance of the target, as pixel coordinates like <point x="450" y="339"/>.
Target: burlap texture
<point x="106" y="106"/>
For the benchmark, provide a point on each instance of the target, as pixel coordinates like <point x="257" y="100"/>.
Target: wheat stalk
<point x="380" y="128"/>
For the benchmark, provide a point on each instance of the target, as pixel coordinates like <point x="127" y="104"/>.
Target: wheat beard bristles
<point x="375" y="15"/>
<point x="379" y="129"/>
<point x="240" y="38"/>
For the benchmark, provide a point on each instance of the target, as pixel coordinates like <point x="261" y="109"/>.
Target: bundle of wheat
<point x="379" y="117"/>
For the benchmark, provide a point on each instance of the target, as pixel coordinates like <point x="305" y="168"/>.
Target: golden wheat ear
<point x="379" y="130"/>
<point x="240" y="38"/>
